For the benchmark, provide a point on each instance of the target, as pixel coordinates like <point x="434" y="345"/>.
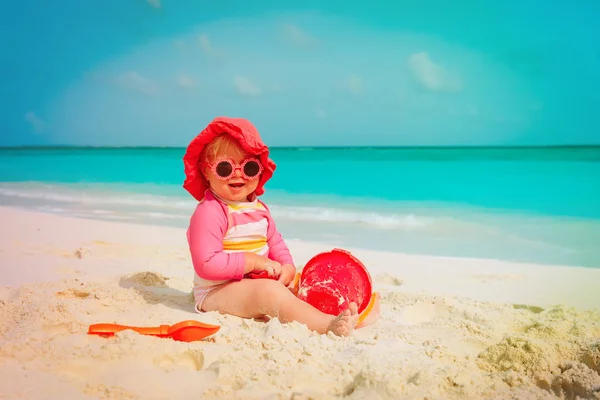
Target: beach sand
<point x="449" y="329"/>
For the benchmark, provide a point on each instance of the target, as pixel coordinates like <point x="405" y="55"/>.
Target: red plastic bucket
<point x="331" y="280"/>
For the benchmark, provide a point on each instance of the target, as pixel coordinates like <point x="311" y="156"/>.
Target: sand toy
<point x="333" y="279"/>
<point x="185" y="331"/>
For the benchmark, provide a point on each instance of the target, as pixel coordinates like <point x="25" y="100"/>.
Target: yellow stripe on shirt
<point x="244" y="207"/>
<point x="250" y="245"/>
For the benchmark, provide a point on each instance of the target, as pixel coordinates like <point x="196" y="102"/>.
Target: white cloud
<point x="246" y="86"/>
<point x="186" y="81"/>
<point x="205" y="44"/>
<point x="36" y="122"/>
<point x="432" y="76"/>
<point x="297" y="37"/>
<point x="154" y="3"/>
<point x="134" y="81"/>
<point x="208" y="48"/>
<point x="354" y="84"/>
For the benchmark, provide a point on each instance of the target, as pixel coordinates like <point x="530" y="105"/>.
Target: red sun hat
<point x="246" y="135"/>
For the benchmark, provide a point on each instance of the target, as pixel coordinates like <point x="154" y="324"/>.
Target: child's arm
<point x="205" y="237"/>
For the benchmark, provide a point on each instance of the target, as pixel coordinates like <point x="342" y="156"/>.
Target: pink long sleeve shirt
<point x="220" y="232"/>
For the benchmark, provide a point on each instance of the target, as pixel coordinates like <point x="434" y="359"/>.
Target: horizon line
<point x="317" y="147"/>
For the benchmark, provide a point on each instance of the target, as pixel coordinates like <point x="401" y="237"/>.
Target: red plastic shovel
<point x="185" y="331"/>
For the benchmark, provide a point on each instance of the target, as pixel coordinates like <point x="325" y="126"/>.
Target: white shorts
<point x="200" y="294"/>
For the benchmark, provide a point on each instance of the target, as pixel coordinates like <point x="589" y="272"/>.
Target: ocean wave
<point x="340" y="215"/>
<point x="54" y="210"/>
<point x="106" y="203"/>
<point x="104" y="198"/>
<point x="160" y="215"/>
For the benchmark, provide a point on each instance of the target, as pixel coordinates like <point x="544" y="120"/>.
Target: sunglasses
<point x="224" y="168"/>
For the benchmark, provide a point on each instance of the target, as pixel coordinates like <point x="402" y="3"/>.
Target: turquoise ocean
<point x="537" y="205"/>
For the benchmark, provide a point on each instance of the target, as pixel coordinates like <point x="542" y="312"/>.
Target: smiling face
<point x="236" y="187"/>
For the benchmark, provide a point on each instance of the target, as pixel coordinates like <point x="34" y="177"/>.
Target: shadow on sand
<point x="153" y="287"/>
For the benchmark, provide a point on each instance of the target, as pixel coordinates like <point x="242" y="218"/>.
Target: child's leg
<point x="255" y="298"/>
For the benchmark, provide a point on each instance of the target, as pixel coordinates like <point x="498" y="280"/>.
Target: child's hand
<point x="288" y="273"/>
<point x="273" y="268"/>
<point x="254" y="262"/>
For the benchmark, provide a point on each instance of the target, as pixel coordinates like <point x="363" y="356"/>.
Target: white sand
<point x="450" y="328"/>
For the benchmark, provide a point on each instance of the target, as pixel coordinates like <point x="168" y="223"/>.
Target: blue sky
<point x="155" y="72"/>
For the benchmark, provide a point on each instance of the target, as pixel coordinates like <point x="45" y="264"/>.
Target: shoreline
<point x="450" y="328"/>
<point x="419" y="228"/>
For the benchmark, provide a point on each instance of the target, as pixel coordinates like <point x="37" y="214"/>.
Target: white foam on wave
<point x="340" y="215"/>
<point x="55" y="210"/>
<point x="98" y="202"/>
<point x="160" y="215"/>
<point x="105" y="198"/>
<point x="102" y="212"/>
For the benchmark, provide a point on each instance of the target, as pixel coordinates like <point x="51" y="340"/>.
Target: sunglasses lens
<point x="251" y="168"/>
<point x="224" y="169"/>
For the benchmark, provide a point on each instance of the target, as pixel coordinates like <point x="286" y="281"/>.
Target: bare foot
<point x="344" y="324"/>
